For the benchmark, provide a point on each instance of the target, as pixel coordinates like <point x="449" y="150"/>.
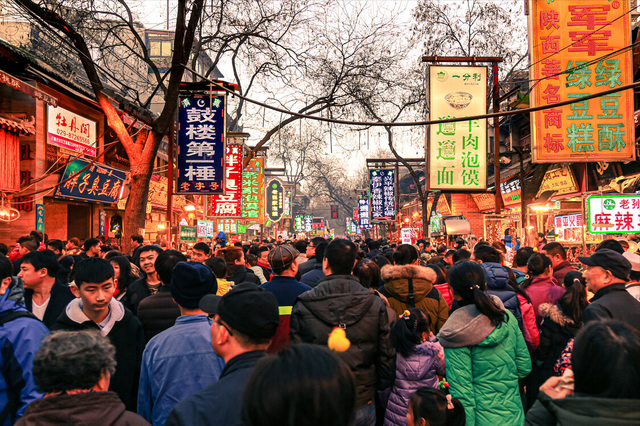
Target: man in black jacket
<point x="242" y="341"/>
<point x="339" y="300"/>
<point x="311" y="255"/>
<point x="44" y="296"/>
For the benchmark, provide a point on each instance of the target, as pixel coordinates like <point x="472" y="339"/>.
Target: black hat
<point x="251" y="310"/>
<point x="190" y="282"/>
<point x="609" y="260"/>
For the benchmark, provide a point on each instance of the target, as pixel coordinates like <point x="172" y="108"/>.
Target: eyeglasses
<point x="226" y="328"/>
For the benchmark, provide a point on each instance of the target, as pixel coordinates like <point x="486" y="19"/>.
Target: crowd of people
<point x="318" y="332"/>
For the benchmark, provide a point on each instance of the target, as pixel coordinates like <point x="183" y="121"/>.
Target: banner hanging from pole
<point x="383" y="195"/>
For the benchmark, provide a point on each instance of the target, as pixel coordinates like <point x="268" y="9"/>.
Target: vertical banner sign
<point x="205" y="228"/>
<point x="253" y="191"/>
<point x="201" y="140"/>
<point x="308" y="223"/>
<point x="614" y="214"/>
<point x="286" y="213"/>
<point x="230" y="204"/>
<point x="363" y="213"/>
<point x="334" y="211"/>
<point x="275" y="200"/>
<point x="298" y="223"/>
<point x="383" y="195"/>
<point x="102" y="222"/>
<point x="40" y="218"/>
<point x="458" y="151"/>
<point x="580" y="48"/>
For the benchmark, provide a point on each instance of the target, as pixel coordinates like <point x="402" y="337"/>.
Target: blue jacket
<point x="286" y="290"/>
<point x="176" y="363"/>
<point x="311" y="278"/>
<point x="19" y="341"/>
<point x="220" y="403"/>
<point x="498" y="285"/>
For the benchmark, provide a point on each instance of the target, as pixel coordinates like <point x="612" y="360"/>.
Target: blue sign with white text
<point x="98" y="183"/>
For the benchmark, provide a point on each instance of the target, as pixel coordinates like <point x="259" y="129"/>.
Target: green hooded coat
<point x="484" y="364"/>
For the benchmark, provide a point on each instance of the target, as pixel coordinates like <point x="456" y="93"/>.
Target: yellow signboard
<point x="458" y="151"/>
<point x="560" y="180"/>
<point x="579" y="48"/>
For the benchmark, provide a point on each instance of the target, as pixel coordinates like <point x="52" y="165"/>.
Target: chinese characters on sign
<point x="511" y="193"/>
<point x="201" y="140"/>
<point x="485" y="202"/>
<point x="580" y="48"/>
<point x="363" y="213"/>
<point x="614" y="214"/>
<point x="71" y="131"/>
<point x="188" y="234"/>
<point x="298" y="223"/>
<point x="308" y="223"/>
<point x="383" y="195"/>
<point x="40" y="217"/>
<point x="98" y="182"/>
<point x="275" y="200"/>
<point x="228" y="226"/>
<point x="334" y="211"/>
<point x="560" y="180"/>
<point x="253" y="191"/>
<point x="568" y="228"/>
<point x="205" y="228"/>
<point x="287" y="205"/>
<point x="458" y="151"/>
<point x="318" y="222"/>
<point x="230" y="204"/>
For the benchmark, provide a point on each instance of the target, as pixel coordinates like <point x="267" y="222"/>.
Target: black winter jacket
<point x="241" y="275"/>
<point x="158" y="312"/>
<point x="614" y="302"/>
<point x="555" y="332"/>
<point x="341" y="301"/>
<point x="60" y="297"/>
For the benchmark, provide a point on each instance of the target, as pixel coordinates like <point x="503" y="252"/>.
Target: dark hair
<point x="4" y="249"/>
<point x="230" y="255"/>
<point x="486" y="254"/>
<point x="431" y="405"/>
<point x="165" y="262"/>
<point x="126" y="277"/>
<point x="605" y="360"/>
<point x="389" y="255"/>
<point x="89" y="243"/>
<point x="374" y="245"/>
<point x="341" y="255"/>
<point x="405" y="254"/>
<point x="320" y="248"/>
<point x="574" y="301"/>
<point x="406" y="333"/>
<point x="56" y="244"/>
<point x="537" y="265"/>
<point x="467" y="280"/>
<point x="301" y="246"/>
<point x="368" y="272"/>
<point x="449" y="253"/>
<point x="611" y="245"/>
<point x="554" y="248"/>
<point x="203" y="247"/>
<point x="461" y="254"/>
<point x="300" y="385"/>
<point x="37" y="235"/>
<point x="6" y="268"/>
<point x="441" y="249"/>
<point x="105" y="248"/>
<point x="381" y="260"/>
<point x="441" y="275"/>
<point x="522" y="256"/>
<point x="150" y="247"/>
<point x="87" y="351"/>
<point x="263" y="249"/>
<point x="93" y="270"/>
<point x="43" y="259"/>
<point x="28" y="243"/>
<point x="218" y="266"/>
<point x="251" y="259"/>
<point x="113" y="253"/>
<point x="316" y="241"/>
<point x="137" y="238"/>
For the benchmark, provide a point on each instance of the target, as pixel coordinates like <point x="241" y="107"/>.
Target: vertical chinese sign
<point x="458" y="151"/>
<point x="201" y="145"/>
<point x="580" y="48"/>
<point x="383" y="195"/>
<point x="298" y="223"/>
<point x="334" y="211"/>
<point x="286" y="213"/>
<point x="40" y="218"/>
<point x="308" y="223"/>
<point x="253" y="191"/>
<point x="364" y="222"/>
<point x="614" y="214"/>
<point x="275" y="200"/>
<point x="230" y="204"/>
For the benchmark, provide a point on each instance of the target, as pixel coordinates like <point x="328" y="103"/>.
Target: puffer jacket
<point x="530" y="329"/>
<point x="420" y="369"/>
<point x="241" y="274"/>
<point x="341" y="301"/>
<point x="543" y="290"/>
<point x="158" y="312"/>
<point x="555" y="332"/>
<point x="498" y="285"/>
<point x="397" y="279"/>
<point x="484" y="364"/>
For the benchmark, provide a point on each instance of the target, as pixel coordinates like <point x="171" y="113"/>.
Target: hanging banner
<point x="560" y="180"/>
<point x="363" y="212"/>
<point x="274" y="200"/>
<point x="201" y="144"/>
<point x="230" y="204"/>
<point x="40" y="217"/>
<point x="308" y="223"/>
<point x="298" y="223"/>
<point x="334" y="211"/>
<point x="188" y="234"/>
<point x="98" y="183"/>
<point x="580" y="48"/>
<point x="71" y="131"/>
<point x="458" y="151"/>
<point x="205" y="228"/>
<point x="614" y="214"/>
<point x="253" y="191"/>
<point x="102" y="222"/>
<point x="286" y="213"/>
<point x="383" y="195"/>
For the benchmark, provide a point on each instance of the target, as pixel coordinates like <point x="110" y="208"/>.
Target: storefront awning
<point x="457" y="226"/>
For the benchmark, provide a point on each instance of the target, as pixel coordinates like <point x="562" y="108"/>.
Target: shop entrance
<point x="78" y="224"/>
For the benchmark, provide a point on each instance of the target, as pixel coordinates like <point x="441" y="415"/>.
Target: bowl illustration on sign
<point x="458" y="100"/>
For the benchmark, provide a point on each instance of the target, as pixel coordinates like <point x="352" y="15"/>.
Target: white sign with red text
<point x="614" y="214"/>
<point x="71" y="131"/>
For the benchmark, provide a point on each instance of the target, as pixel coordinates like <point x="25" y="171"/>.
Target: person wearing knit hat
<point x="245" y="321"/>
<point x="180" y="361"/>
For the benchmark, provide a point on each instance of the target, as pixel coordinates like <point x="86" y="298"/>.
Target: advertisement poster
<point x="364" y="222"/>
<point x="71" y="131"/>
<point x="253" y="191"/>
<point x="614" y="214"/>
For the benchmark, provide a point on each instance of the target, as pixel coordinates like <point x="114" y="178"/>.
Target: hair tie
<point x="526" y="277"/>
<point x="449" y="402"/>
<point x="405" y="315"/>
<point x="473" y="287"/>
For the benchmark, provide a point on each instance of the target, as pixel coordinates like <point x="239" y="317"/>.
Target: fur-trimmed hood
<point x="396" y="278"/>
<point x="395" y="272"/>
<point x="555" y="314"/>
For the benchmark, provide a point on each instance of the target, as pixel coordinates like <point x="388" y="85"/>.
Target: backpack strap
<point x="16" y="314"/>
<point x="411" y="298"/>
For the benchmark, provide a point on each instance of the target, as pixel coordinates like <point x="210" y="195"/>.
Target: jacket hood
<point x="13" y="299"/>
<point x="396" y="281"/>
<point x="74" y="313"/>
<point x="556" y="315"/>
<point x="421" y="360"/>
<point x="467" y="326"/>
<point x="544" y="281"/>
<point x="99" y="408"/>
<point x="338" y="299"/>
<point x="497" y="275"/>
<point x="239" y="274"/>
<point x="590" y="411"/>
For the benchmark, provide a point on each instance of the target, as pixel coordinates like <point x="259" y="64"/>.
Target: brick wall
<point x="463" y="204"/>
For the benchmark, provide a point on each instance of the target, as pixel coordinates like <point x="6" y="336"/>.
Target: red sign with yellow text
<point x="230" y="204"/>
<point x="579" y="48"/>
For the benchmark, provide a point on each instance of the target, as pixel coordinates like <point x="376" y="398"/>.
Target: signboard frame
<point x="635" y="208"/>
